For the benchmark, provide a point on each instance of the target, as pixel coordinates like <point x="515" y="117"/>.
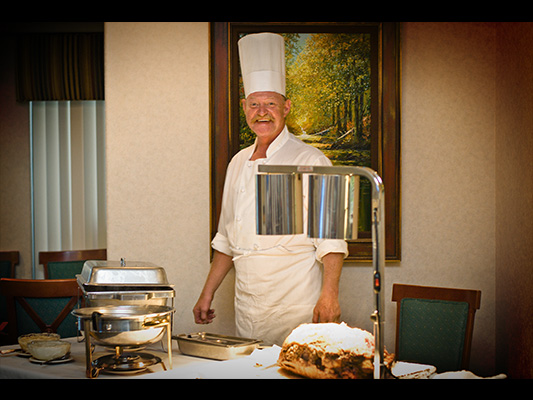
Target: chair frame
<point x="472" y="297"/>
<point x="13" y="257"/>
<point x="70" y="255"/>
<point x="16" y="290"/>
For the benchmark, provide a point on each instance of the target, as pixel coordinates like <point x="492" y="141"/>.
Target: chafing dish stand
<point x="93" y="367"/>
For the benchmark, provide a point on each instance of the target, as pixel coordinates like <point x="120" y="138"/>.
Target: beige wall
<point x="15" y="209"/>
<point x="448" y="166"/>
<point x="447" y="175"/>
<point x="157" y="107"/>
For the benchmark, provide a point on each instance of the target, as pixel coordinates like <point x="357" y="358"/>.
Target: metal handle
<point x="95" y="318"/>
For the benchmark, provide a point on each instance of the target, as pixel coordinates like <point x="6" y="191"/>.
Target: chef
<point x="280" y="281"/>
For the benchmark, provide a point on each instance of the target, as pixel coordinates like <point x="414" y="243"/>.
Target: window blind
<point x="68" y="186"/>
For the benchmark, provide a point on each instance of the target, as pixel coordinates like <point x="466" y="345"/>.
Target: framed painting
<point x="344" y="83"/>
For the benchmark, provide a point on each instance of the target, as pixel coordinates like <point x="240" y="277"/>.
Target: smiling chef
<point x="280" y="281"/>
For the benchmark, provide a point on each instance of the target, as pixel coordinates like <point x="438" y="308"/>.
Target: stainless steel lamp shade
<point x="279" y="204"/>
<point x="333" y="206"/>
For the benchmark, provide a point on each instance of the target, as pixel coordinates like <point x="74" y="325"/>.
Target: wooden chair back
<point x="434" y="322"/>
<point x="8" y="260"/>
<point x="26" y="293"/>
<point x="66" y="264"/>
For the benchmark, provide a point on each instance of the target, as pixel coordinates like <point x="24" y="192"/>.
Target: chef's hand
<point x="203" y="314"/>
<point x="327" y="309"/>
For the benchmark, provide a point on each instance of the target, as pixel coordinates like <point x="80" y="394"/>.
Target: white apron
<point x="274" y="293"/>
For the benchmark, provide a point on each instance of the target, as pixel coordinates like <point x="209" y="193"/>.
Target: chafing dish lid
<point x="116" y="273"/>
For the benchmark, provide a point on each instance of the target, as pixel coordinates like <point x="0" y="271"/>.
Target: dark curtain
<point x="60" y="66"/>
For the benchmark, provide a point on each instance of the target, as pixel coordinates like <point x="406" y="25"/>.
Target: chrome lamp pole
<point x="331" y="190"/>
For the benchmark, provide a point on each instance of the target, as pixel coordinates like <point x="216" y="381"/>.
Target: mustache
<point x="265" y="118"/>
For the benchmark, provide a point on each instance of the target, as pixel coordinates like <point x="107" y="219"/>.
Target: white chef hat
<point x="262" y="57"/>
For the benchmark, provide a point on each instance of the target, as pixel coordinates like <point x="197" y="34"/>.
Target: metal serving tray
<point x="214" y="346"/>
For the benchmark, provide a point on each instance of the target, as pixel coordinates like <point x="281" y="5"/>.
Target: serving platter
<point x="215" y="346"/>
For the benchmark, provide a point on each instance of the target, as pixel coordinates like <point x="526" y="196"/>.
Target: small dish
<point x="48" y="350"/>
<point x="61" y="360"/>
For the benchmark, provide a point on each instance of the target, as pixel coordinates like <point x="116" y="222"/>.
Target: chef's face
<point x="265" y="113"/>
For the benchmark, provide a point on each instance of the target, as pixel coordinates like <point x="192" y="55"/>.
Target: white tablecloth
<point x="260" y="364"/>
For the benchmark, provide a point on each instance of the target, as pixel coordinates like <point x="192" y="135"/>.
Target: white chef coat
<point x="278" y="278"/>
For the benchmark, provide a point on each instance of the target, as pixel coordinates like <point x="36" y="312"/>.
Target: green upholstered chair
<point x="40" y="305"/>
<point x="434" y="325"/>
<point x="8" y="261"/>
<point x="67" y="264"/>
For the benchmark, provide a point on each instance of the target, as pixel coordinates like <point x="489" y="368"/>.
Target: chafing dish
<point x="127" y="306"/>
<point x="214" y="346"/>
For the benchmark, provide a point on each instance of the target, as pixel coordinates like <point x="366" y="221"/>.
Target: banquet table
<point x="260" y="364"/>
